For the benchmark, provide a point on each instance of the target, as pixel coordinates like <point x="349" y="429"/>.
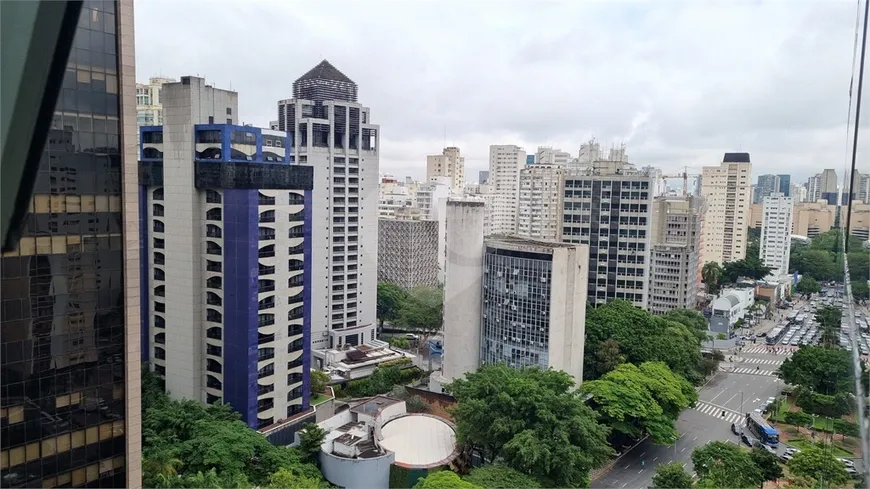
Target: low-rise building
<point x="813" y="218"/>
<point x="356" y="362"/>
<point x="373" y="438"/>
<point x="730" y="307"/>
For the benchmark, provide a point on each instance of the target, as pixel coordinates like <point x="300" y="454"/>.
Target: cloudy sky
<point x="679" y="83"/>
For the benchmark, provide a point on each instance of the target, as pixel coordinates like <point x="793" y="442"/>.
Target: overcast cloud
<point x="679" y="82"/>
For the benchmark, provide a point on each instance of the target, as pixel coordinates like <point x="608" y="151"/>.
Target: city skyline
<point x="670" y="108"/>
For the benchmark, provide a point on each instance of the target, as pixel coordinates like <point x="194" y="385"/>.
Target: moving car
<point x="748" y="440"/>
<point x="735" y="429"/>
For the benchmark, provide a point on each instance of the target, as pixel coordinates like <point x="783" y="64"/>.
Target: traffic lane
<point x="637" y="467"/>
<point x="726" y="393"/>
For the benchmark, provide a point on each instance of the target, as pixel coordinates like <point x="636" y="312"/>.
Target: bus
<point x="759" y="427"/>
<point x="775" y="335"/>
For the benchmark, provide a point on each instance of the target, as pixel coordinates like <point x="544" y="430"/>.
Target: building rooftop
<point x="736" y="158"/>
<point x="373" y="405"/>
<point x="325" y="71"/>
<point x="507" y="241"/>
<point x="419" y="441"/>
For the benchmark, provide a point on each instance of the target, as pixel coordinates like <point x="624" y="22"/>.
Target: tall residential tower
<point x="333" y="133"/>
<point x="726" y="189"/>
<point x="505" y="163"/>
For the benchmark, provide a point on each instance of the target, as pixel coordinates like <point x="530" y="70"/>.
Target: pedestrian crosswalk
<point x="775" y="350"/>
<point x="763" y="361"/>
<point x="716" y="412"/>
<point x="753" y="371"/>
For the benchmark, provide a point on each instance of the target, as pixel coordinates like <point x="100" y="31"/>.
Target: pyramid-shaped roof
<point x="325" y="71"/>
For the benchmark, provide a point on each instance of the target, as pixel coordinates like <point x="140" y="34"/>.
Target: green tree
<point x="641" y="400"/>
<point x="807" y="286"/>
<point x="820" y="465"/>
<point x="203" y="480"/>
<point x="824" y="370"/>
<point x="443" y="479"/>
<point x="310" y="440"/>
<point x="285" y="479"/>
<point x="819" y="264"/>
<point x="767" y="463"/>
<point x="860" y="289"/>
<point x="712" y="274"/>
<point x="422" y="309"/>
<point x="859" y="265"/>
<point x="722" y="464"/>
<point x="671" y="476"/>
<point x="694" y="320"/>
<point x="608" y="357"/>
<point x="642" y="337"/>
<point x="532" y="419"/>
<point x="750" y="267"/>
<point x="319" y="381"/>
<point x="399" y="342"/>
<point x="389" y="302"/>
<point x="500" y="476"/>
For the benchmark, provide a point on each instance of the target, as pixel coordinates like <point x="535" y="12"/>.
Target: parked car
<point x="735" y="429"/>
<point x="765" y="447"/>
<point x="846" y="462"/>
<point x="786" y="457"/>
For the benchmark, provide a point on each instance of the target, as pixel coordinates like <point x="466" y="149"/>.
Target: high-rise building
<point x="813" y="218"/>
<point x="548" y="156"/>
<point x="408" y="252"/>
<point x="823" y="186"/>
<point x="69" y="387"/>
<point x="726" y="192"/>
<point x="505" y="163"/>
<point x="767" y="184"/>
<point x="539" y="215"/>
<point x="224" y="253"/>
<point x="149" y="101"/>
<point x="676" y="237"/>
<point x="510" y="300"/>
<point x="448" y="164"/>
<point x="784" y="185"/>
<point x="612" y="213"/>
<point x="430" y="194"/>
<point x="776" y="228"/>
<point x="483" y="177"/>
<point x="798" y="192"/>
<point x="335" y="135"/>
<point x="534" y="304"/>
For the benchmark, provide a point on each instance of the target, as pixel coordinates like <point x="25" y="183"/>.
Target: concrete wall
<point x="568" y="291"/>
<point x="462" y="289"/>
<point x="370" y="473"/>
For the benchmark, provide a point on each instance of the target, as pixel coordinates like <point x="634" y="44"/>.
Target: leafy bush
<point x="798" y="418"/>
<point x="399" y="342"/>
<point x="399" y="362"/>
<point x="382" y="381"/>
<point x="416" y="404"/>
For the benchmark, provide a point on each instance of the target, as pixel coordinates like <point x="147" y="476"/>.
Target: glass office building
<point x="66" y="385"/>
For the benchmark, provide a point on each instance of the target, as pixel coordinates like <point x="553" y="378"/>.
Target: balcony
<point x="295" y="346"/>
<point x="265" y="404"/>
<point x="294" y="378"/>
<point x="296" y="299"/>
<point x="265" y="389"/>
<point x="297" y="217"/>
<point x="294" y="330"/>
<point x="265" y="338"/>
<point x="294" y="364"/>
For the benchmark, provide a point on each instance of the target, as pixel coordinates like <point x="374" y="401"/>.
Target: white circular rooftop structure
<point x="419" y="441"/>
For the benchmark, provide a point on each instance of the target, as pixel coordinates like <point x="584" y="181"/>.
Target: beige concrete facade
<point x="448" y="164"/>
<point x="859" y="220"/>
<point x="813" y="218"/>
<point x="756" y="215"/>
<point x="727" y="190"/>
<point x="130" y="209"/>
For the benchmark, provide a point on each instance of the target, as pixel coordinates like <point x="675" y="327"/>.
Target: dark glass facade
<point x="62" y="381"/>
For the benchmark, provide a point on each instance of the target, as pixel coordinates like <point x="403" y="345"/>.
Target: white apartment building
<point x="539" y="215"/>
<point x="798" y="192"/>
<point x="393" y="196"/>
<point x="823" y="186"/>
<point x="149" y="103"/>
<point x="546" y="155"/>
<point x="776" y="230"/>
<point x="612" y="213"/>
<point x="726" y="189"/>
<point x="334" y="134"/>
<point x="505" y="163"/>
<point x="448" y="164"/>
<point x="676" y="250"/>
<point x="430" y="193"/>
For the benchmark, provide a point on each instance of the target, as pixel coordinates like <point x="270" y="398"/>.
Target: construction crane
<point x="685" y="176"/>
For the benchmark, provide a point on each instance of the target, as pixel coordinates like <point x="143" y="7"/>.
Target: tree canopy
<point x="641" y="400"/>
<point x="443" y="479"/>
<point x="815" y="463"/>
<point x="319" y="381"/>
<point x="641" y="337"/>
<point x="422" y="309"/>
<point x="767" y="463"/>
<point x="808" y="285"/>
<point x="532" y="419"/>
<point x="824" y="370"/>
<point x="751" y="267"/>
<point x="671" y="476"/>
<point x="712" y="274"/>
<point x="722" y="464"/>
<point x="389" y="301"/>
<point x="500" y="476"/>
<point x="694" y="320"/>
<point x="188" y="444"/>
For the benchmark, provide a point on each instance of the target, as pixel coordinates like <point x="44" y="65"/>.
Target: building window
<point x="265" y="199"/>
<point x="158" y="226"/>
<point x="212" y="248"/>
<point x="213" y="299"/>
<point x="213" y="215"/>
<point x="213" y="316"/>
<point x="159" y="274"/>
<point x="212" y="197"/>
<point x="214" y="283"/>
<point x="157" y="194"/>
<point x="158" y="210"/>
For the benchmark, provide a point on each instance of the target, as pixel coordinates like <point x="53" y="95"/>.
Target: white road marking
<point x="655" y="459"/>
<point x="682" y="449"/>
